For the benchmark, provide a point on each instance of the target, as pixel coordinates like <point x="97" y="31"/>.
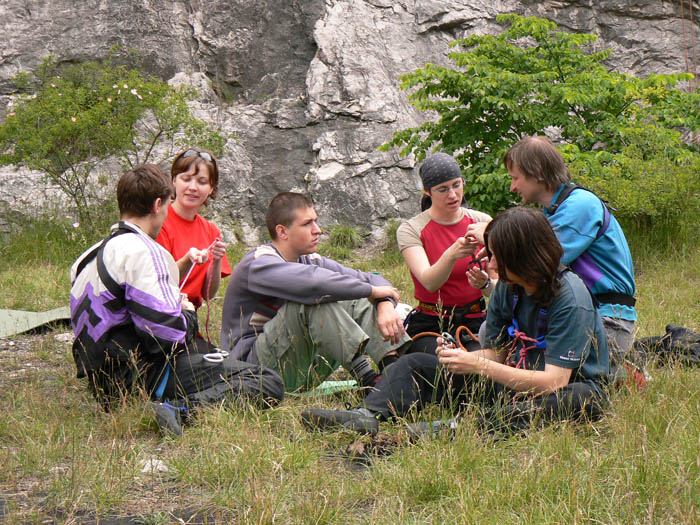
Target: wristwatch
<point x="486" y="284"/>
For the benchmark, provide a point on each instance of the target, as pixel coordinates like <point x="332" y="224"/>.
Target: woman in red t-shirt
<point x="194" y="242"/>
<point x="448" y="282"/>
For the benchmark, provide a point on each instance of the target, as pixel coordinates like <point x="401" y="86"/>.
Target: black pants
<point x="425" y="322"/>
<point x="192" y="380"/>
<point x="418" y="379"/>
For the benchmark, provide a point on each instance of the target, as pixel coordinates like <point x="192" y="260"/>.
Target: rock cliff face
<point x="309" y="88"/>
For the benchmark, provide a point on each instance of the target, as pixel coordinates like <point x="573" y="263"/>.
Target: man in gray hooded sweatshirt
<point x="303" y="315"/>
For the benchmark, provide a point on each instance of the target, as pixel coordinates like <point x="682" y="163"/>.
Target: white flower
<point x="76" y="224"/>
<point x="69" y="216"/>
<point x="126" y="86"/>
<point x="115" y="86"/>
<point x="10" y="114"/>
<point x="109" y="99"/>
<point x="139" y="97"/>
<point x="133" y="91"/>
<point x="73" y="119"/>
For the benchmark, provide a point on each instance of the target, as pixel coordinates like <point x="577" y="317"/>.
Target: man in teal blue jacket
<point x="594" y="244"/>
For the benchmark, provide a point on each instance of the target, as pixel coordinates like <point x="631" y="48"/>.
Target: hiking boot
<point x="432" y="429"/>
<point x="358" y="419"/>
<point x="168" y="417"/>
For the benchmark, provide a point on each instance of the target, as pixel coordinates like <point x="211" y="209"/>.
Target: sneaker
<point x="359" y="419"/>
<point x="432" y="429"/>
<point x="168" y="417"/>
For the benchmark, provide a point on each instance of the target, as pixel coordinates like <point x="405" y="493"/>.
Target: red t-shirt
<point x="435" y="238"/>
<point x="178" y="235"/>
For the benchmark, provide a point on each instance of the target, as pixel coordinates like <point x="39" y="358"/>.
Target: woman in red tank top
<point x="448" y="282"/>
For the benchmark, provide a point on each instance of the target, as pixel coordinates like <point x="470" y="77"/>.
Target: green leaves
<point x="528" y="79"/>
<point x="73" y="117"/>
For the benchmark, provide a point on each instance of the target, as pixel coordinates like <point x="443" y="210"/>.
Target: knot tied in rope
<point x="523" y="339"/>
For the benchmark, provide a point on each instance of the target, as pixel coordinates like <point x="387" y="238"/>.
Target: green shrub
<point x="650" y="183"/>
<point x="342" y="241"/>
<point x="530" y="79"/>
<point x="70" y="118"/>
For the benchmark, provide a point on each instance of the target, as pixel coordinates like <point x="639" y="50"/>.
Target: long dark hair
<point x="524" y="243"/>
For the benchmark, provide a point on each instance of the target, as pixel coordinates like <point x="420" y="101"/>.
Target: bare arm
<point x="433" y="277"/>
<point x="193" y="256"/>
<point x="490" y="364"/>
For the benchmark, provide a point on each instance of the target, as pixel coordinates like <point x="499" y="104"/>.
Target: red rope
<point x="207" y="286"/>
<point x="521" y="338"/>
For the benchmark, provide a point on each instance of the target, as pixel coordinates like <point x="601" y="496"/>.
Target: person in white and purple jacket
<point x="132" y="328"/>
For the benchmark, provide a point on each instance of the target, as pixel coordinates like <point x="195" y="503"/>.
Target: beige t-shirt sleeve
<point x="409" y="232"/>
<point x="477" y="216"/>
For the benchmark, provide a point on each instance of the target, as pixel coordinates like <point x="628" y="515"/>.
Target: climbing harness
<point x="526" y="342"/>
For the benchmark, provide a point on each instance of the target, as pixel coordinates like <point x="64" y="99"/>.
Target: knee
<point x="415" y="362"/>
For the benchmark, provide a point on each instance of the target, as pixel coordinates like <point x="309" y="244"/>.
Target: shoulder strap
<point x="565" y="194"/>
<point x="562" y="197"/>
<point x="98" y="251"/>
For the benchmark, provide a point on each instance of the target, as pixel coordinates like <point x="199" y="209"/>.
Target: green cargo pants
<point x="306" y="343"/>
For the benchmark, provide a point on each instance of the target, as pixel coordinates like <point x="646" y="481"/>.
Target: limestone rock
<point x="307" y="88"/>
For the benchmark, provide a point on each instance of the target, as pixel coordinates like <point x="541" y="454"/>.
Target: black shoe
<point x="432" y="429"/>
<point x="358" y="419"/>
<point x="168" y="417"/>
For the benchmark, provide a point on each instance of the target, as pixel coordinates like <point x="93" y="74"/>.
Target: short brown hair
<point x="525" y="244"/>
<point x="193" y="156"/>
<point x="282" y="210"/>
<point x="139" y="188"/>
<point x="537" y="158"/>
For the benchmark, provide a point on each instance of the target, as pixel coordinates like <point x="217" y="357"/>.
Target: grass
<point x="67" y="461"/>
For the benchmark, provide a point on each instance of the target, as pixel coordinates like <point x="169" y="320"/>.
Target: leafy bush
<point x="649" y="181"/>
<point x="531" y="79"/>
<point x="72" y="117"/>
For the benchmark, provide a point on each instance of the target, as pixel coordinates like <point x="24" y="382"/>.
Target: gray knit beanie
<point x="439" y="168"/>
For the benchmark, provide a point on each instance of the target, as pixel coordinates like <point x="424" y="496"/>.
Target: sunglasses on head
<point x="203" y="154"/>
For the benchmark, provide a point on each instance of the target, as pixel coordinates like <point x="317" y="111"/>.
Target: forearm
<point x="536" y="382"/>
<point x="183" y="266"/>
<point x="303" y="283"/>
<point x="489" y="363"/>
<point x="433" y="277"/>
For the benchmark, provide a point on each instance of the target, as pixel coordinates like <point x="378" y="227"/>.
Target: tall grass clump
<point x="38" y="251"/>
<point x="343" y="239"/>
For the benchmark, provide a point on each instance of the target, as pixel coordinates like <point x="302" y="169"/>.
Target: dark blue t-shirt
<point x="574" y="336"/>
